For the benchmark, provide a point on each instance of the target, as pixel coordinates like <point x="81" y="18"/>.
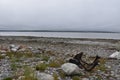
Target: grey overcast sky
<point x="103" y="15"/>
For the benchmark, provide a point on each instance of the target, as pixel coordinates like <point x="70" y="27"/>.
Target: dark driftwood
<point x="77" y="59"/>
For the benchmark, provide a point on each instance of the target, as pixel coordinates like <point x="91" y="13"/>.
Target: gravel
<point x="64" y="48"/>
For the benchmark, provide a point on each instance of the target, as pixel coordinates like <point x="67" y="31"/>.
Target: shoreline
<point x="62" y="38"/>
<point x="62" y="45"/>
<point x="114" y="36"/>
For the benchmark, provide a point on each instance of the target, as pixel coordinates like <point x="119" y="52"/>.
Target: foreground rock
<point x="115" y="55"/>
<point x="70" y="69"/>
<point x="44" y="76"/>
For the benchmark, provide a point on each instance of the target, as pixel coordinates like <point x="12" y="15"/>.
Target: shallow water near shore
<point x="64" y="34"/>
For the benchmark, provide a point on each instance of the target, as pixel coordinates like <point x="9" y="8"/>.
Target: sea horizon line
<point x="82" y="31"/>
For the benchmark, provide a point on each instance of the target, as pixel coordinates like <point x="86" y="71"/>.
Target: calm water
<point x="64" y="34"/>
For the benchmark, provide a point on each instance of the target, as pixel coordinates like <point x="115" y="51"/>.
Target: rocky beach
<point x="46" y="58"/>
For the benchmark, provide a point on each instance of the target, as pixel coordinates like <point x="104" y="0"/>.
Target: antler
<point x="81" y="64"/>
<point x="91" y="66"/>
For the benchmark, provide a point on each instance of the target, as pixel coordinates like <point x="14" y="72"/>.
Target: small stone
<point x="2" y="51"/>
<point x="106" y="74"/>
<point x="14" y="49"/>
<point x="3" y="54"/>
<point x="30" y="47"/>
<point x="22" y="50"/>
<point x="92" y="78"/>
<point x="108" y="66"/>
<point x="21" y="78"/>
<point x="98" y="70"/>
<point x="12" y="46"/>
<point x="44" y="76"/>
<point x="36" y="51"/>
<point x="117" y="76"/>
<point x="85" y="79"/>
<point x="112" y="73"/>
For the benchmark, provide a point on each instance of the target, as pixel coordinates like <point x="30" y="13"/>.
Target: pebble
<point x="2" y="51"/>
<point x="44" y="76"/>
<point x="85" y="78"/>
<point x="5" y="70"/>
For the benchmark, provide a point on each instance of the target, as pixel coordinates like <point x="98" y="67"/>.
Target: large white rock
<point x="44" y="76"/>
<point x="70" y="69"/>
<point x="115" y="55"/>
